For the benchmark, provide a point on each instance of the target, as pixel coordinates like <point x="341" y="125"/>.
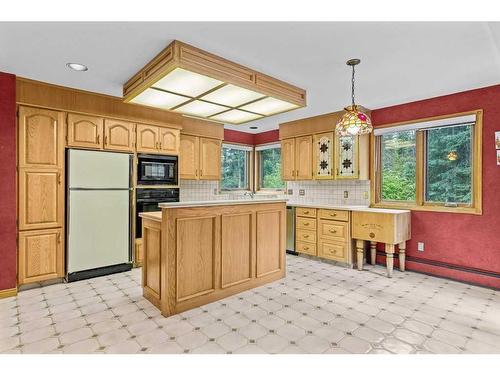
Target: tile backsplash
<point x="191" y="190"/>
<point x="334" y="192"/>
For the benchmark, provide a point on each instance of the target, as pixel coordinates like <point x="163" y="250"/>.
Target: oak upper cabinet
<point x="210" y="158"/>
<point x="85" y="131"/>
<point x="41" y="138"/>
<point x="170" y="141"/>
<point x="148" y="139"/>
<point x="323" y="149"/>
<point x="40" y="255"/>
<point x="189" y="157"/>
<point x="119" y="135"/>
<point x="352" y="157"/>
<point x="41" y="198"/>
<point x="199" y="158"/>
<point x="157" y="140"/>
<point x="288" y="159"/>
<point x="303" y="158"/>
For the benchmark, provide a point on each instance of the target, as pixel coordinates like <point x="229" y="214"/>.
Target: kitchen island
<point x="199" y="252"/>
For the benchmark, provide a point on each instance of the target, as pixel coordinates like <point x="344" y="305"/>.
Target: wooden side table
<point x="391" y="227"/>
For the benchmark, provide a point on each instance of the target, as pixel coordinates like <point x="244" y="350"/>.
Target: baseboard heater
<point x="96" y="272"/>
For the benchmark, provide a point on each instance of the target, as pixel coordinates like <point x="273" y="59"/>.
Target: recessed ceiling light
<point x="253" y="127"/>
<point x="77" y="67"/>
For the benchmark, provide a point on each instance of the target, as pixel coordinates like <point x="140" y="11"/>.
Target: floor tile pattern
<point x="317" y="308"/>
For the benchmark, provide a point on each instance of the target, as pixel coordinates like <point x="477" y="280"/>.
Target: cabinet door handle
<point x="306" y="212"/>
<point x="334" y="214"/>
<point x="333" y="231"/>
<point x="306" y="224"/>
<point x="196" y="173"/>
<point x="201" y="172"/>
<point x="98" y="139"/>
<point x="160" y="146"/>
<point x="59" y="178"/>
<point x="306" y="236"/>
<point x="58" y="237"/>
<point x="156" y="145"/>
<point x="306" y="247"/>
<point x="105" y="139"/>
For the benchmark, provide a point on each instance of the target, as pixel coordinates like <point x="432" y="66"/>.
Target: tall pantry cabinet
<point x="40" y="194"/>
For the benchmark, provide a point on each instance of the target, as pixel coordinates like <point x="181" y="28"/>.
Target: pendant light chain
<point x="353" y="85"/>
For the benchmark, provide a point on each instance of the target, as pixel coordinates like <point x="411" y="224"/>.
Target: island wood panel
<point x="288" y="159"/>
<point x="119" y="135"/>
<point x="189" y="157"/>
<point x="269" y="241"/>
<point x="151" y="275"/>
<point x="85" y="131"/>
<point x="196" y="256"/>
<point x="237" y="249"/>
<point x="41" y="198"/>
<point x="40" y="138"/>
<point x="210" y="159"/>
<point x="174" y="300"/>
<point x="40" y="255"/>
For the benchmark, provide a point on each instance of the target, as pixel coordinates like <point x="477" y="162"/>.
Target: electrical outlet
<point x="420" y="246"/>
<point x="302" y="192"/>
<point x="290" y="191"/>
<point x="216" y="191"/>
<point x="365" y="195"/>
<point x="346" y="194"/>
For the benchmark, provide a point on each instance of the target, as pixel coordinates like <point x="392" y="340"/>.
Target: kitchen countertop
<point x="221" y="202"/>
<point x="155" y="215"/>
<point x="332" y="206"/>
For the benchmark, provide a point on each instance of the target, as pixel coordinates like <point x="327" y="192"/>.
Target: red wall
<point x="468" y="243"/>
<point x="8" y="181"/>
<point x="249" y="138"/>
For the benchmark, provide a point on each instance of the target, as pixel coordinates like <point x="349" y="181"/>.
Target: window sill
<point x="428" y="208"/>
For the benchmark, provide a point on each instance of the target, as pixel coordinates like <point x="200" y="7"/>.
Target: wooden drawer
<point x="334" y="214"/>
<point x="305" y="235"/>
<point x="305" y="248"/>
<point x="333" y="230"/>
<point x="308" y="212"/>
<point x="306" y="223"/>
<point x="333" y="250"/>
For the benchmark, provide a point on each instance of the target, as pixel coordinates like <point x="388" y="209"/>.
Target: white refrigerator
<point x="98" y="213"/>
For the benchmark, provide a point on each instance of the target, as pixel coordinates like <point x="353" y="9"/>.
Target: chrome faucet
<point x="251" y="194"/>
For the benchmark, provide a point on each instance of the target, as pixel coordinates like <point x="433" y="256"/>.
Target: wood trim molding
<point x="5" y="293"/>
<point x="182" y="55"/>
<point x="202" y="128"/>
<point x="46" y="95"/>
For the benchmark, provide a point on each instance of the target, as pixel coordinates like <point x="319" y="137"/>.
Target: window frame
<point x="257" y="170"/>
<point x="420" y="203"/>
<point x="249" y="168"/>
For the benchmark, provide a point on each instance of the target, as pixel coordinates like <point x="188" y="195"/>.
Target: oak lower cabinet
<point x="157" y="140"/>
<point x="200" y="158"/>
<point x="324" y="233"/>
<point x="40" y="255"/>
<point x="85" y="131"/>
<point x="119" y="135"/>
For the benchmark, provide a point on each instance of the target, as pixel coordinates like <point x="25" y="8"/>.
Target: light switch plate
<point x="302" y="192"/>
<point x="420" y="246"/>
<point x="290" y="191"/>
<point x="365" y="195"/>
<point x="346" y="194"/>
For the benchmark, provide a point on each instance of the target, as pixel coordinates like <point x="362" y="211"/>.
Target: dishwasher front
<point x="290" y="230"/>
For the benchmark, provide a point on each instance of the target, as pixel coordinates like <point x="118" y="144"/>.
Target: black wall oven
<point x="157" y="169"/>
<point x="147" y="200"/>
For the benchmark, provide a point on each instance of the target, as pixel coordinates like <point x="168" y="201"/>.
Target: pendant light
<point x="354" y="121"/>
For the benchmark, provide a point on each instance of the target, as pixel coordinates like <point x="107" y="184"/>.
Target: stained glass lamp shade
<point x="354" y="122"/>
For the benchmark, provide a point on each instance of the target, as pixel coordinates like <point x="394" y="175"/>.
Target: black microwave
<point x="157" y="169"/>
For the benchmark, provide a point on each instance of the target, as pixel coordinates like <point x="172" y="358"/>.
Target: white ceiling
<point x="401" y="62"/>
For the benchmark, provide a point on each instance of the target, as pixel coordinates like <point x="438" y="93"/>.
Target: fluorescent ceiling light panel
<point x="200" y="109"/>
<point x="160" y="99"/>
<point x="236" y="117"/>
<point x="232" y="96"/>
<point x="184" y="82"/>
<point x="269" y="106"/>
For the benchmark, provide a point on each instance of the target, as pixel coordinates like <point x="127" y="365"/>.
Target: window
<point x="269" y="167"/>
<point x="235" y="165"/>
<point x="432" y="165"/>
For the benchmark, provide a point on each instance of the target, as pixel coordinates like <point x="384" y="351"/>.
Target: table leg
<point x="402" y="255"/>
<point x="360" y="247"/>
<point x="389" y="258"/>
<point x="373" y="252"/>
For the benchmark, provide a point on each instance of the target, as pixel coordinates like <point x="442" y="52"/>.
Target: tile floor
<point x="317" y="308"/>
